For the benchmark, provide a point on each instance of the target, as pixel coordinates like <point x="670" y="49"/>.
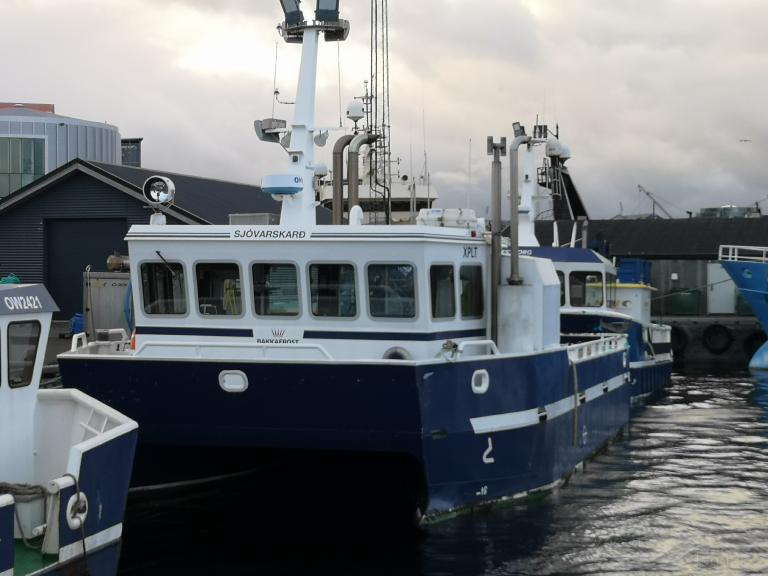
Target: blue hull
<point x="650" y="376"/>
<point x="752" y="282"/>
<point x="428" y="412"/>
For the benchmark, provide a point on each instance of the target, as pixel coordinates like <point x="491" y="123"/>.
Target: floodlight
<point x="518" y="129"/>
<point x="159" y="190"/>
<point x="293" y="15"/>
<point x="327" y="11"/>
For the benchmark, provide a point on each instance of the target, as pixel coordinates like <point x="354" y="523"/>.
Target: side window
<point x="471" y="278"/>
<point x="218" y="289"/>
<point x="610" y="288"/>
<point x="332" y="290"/>
<point x="23" y="340"/>
<point x="586" y="289"/>
<point x="163" y="288"/>
<point x="391" y="291"/>
<point x="561" y="277"/>
<point x="442" y="291"/>
<point x="275" y="289"/>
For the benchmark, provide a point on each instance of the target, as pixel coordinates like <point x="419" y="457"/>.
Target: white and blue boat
<point x="65" y="458"/>
<point x="595" y="296"/>
<point x="417" y="356"/>
<point x="748" y="268"/>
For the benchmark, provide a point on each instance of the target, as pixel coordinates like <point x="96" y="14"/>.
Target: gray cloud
<point x="654" y="92"/>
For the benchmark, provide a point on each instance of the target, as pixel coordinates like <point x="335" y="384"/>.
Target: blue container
<point x="76" y="324"/>
<point x="635" y="271"/>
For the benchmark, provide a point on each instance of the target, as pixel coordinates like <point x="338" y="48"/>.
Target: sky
<point x="669" y="94"/>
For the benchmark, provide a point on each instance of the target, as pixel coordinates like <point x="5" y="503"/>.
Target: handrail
<point x="248" y="346"/>
<point x="598" y="347"/>
<point x="465" y="343"/>
<point x="735" y="253"/>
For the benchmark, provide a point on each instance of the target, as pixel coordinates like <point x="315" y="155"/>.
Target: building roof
<point x="23" y="113"/>
<point x="676" y="239"/>
<point x="198" y="200"/>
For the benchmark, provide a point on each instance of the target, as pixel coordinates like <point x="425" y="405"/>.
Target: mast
<point x="295" y="187"/>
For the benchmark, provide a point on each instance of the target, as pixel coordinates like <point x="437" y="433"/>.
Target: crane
<point x="655" y="202"/>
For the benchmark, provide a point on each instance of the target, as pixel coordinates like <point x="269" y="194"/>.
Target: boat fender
<point x="717" y="338"/>
<point x="397" y="353"/>
<point x="753" y="342"/>
<point x="679" y="339"/>
<point x="77" y="511"/>
<point x="481" y="381"/>
<point x="133" y="339"/>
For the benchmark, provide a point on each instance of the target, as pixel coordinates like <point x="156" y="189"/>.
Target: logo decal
<point x="278" y="333"/>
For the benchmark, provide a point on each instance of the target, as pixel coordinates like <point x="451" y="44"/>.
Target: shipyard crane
<point x="654" y="201"/>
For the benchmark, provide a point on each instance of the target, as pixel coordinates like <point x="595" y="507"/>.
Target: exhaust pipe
<point x="338" y="177"/>
<point x="353" y="167"/>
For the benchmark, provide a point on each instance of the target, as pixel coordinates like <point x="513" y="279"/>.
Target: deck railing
<point x="744" y="253"/>
<point x="598" y="347"/>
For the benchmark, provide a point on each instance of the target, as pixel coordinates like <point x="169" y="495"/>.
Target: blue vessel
<point x="748" y="267"/>
<point x="417" y="353"/>
<point x="65" y="458"/>
<point x="597" y="299"/>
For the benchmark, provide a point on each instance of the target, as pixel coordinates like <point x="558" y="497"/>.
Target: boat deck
<point x="29" y="561"/>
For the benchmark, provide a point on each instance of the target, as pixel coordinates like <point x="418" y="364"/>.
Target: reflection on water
<point x="686" y="492"/>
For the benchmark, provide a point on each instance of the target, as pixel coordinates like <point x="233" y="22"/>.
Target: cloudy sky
<point x="651" y="92"/>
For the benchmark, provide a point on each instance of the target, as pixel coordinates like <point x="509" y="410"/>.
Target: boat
<point x="412" y="363"/>
<point x="65" y="458"/>
<point x="748" y="268"/>
<point x="596" y="297"/>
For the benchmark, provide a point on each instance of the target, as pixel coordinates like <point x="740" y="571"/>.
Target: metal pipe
<point x="584" y="233"/>
<point x="495" y="150"/>
<point x="353" y="167"/>
<point x="338" y="177"/>
<point x="514" y="195"/>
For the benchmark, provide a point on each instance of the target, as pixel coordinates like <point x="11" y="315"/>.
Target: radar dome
<point x="356" y="111"/>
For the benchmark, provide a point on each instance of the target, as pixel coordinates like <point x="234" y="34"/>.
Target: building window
<point x="586" y="289"/>
<point x="471" y="278"/>
<point x="332" y="290"/>
<point x="218" y="289"/>
<point x="23" y="339"/>
<point x="275" y="289"/>
<point x="391" y="291"/>
<point x="442" y="291"/>
<point x="162" y="288"/>
<point x="22" y="160"/>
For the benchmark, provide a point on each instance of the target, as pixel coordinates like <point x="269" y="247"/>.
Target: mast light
<point x="293" y="15"/>
<point x="327" y="11"/>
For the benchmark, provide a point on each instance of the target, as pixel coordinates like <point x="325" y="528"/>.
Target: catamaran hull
<point x="474" y="438"/>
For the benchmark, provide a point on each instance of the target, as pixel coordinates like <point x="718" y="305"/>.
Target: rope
<point x="86" y="572"/>
<point x="25" y="493"/>
<point x="575" y="404"/>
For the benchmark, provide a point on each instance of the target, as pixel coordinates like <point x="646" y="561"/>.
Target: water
<point x="685" y="492"/>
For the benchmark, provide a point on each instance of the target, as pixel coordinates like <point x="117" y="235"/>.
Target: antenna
<point x="469" y="171"/>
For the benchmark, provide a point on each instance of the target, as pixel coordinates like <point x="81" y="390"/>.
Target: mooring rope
<point x="25" y="493"/>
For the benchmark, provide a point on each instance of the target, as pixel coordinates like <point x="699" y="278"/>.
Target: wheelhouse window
<point x="391" y="291"/>
<point x="471" y="278"/>
<point x="23" y="340"/>
<point x="275" y="289"/>
<point x="163" y="288"/>
<point x="332" y="290"/>
<point x="561" y="278"/>
<point x="218" y="289"/>
<point x="442" y="291"/>
<point x="586" y="289"/>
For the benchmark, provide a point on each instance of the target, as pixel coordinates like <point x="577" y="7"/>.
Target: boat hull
<point x="539" y="416"/>
<point x="651" y="366"/>
<point x="752" y="282"/>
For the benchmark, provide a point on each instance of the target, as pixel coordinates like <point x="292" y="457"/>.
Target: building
<point x="79" y="214"/>
<point x="34" y="141"/>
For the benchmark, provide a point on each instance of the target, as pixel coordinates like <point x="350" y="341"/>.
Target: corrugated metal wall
<point x="22" y="229"/>
<point x="68" y="139"/>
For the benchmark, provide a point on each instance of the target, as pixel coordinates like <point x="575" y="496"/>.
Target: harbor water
<point x="684" y="491"/>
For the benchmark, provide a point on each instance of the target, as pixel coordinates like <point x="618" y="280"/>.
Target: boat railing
<point x="660" y="333"/>
<point x="598" y="347"/>
<point x="743" y="253"/>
